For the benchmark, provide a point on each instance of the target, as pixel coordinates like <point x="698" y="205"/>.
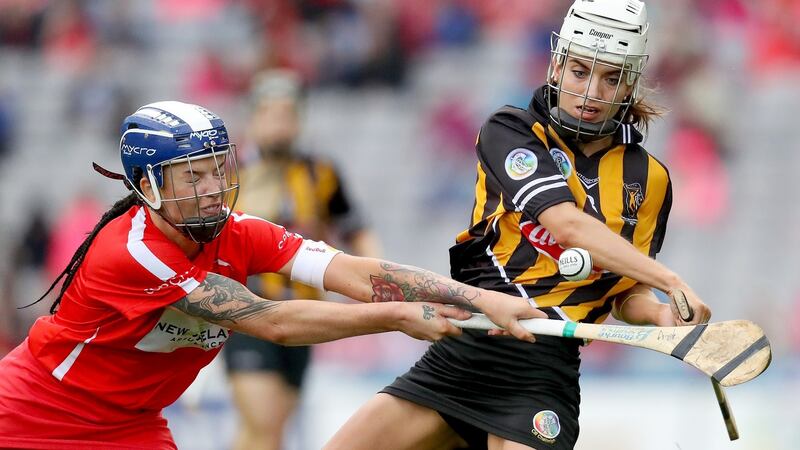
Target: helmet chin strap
<point x="203" y="229"/>
<point x="566" y="125"/>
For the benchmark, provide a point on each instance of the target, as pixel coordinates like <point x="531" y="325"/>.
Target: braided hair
<point x="119" y="208"/>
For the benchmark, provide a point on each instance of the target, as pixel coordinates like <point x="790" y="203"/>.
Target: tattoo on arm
<point x="409" y="284"/>
<point x="220" y="299"/>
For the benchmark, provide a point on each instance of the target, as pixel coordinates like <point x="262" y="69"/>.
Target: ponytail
<point x="117" y="210"/>
<point x="642" y="112"/>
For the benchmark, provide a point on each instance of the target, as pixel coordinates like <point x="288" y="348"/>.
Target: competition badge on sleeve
<point x="521" y="163"/>
<point x="562" y="162"/>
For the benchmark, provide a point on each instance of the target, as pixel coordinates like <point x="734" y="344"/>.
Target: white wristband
<point x="311" y="262"/>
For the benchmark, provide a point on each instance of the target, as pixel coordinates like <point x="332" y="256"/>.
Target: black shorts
<point x="244" y="353"/>
<point x="523" y="392"/>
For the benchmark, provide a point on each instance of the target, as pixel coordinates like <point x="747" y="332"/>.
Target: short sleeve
<point x="521" y="165"/>
<point x="268" y="246"/>
<point x="343" y="214"/>
<point x="139" y="276"/>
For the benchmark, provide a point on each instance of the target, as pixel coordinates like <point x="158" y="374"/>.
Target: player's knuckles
<point x="538" y="314"/>
<point x="453" y="330"/>
<point x="463" y="314"/>
<point x="518" y="331"/>
<point x="441" y="327"/>
<point x="454" y="312"/>
<point x="440" y="335"/>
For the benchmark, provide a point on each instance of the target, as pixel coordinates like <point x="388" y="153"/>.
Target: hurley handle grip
<point x="684" y="309"/>
<point x="725" y="408"/>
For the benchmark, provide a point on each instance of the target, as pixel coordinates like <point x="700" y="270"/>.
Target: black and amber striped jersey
<point x="305" y="195"/>
<point x="523" y="168"/>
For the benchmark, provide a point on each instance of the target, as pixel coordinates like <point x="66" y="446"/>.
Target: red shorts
<point x="38" y="411"/>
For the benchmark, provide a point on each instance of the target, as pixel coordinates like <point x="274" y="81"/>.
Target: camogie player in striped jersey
<point x="568" y="171"/>
<point x="156" y="289"/>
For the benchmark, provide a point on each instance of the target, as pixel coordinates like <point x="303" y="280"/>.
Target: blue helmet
<point x="160" y="134"/>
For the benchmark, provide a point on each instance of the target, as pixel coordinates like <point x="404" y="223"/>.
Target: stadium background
<point x="398" y="91"/>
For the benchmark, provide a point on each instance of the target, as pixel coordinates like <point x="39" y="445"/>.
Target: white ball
<point x="575" y="264"/>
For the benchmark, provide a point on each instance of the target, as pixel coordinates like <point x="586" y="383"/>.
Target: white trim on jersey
<point x="238" y="217"/>
<point x="65" y="365"/>
<point x="147" y="259"/>
<point x="561" y="313"/>
<point x="537" y="191"/>
<point x="533" y="183"/>
<point x="186" y="112"/>
<point x="502" y="269"/>
<point x="519" y="287"/>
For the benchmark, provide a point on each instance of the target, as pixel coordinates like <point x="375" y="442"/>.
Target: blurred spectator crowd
<point x="402" y="81"/>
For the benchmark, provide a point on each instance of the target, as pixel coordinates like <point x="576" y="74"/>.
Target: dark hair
<point x="117" y="210"/>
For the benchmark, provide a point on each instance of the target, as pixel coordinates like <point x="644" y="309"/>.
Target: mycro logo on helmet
<point x="204" y="134"/>
<point x="600" y="34"/>
<point x="134" y="150"/>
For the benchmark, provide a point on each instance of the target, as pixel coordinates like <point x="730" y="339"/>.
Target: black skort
<point x="523" y="392"/>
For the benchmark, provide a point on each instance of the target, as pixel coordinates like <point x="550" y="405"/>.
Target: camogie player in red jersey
<point x="155" y="290"/>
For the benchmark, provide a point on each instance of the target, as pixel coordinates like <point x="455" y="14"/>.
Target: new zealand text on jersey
<point x="175" y="329"/>
<point x="207" y="338"/>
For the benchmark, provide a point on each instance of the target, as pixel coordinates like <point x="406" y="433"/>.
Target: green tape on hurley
<point x="569" y="329"/>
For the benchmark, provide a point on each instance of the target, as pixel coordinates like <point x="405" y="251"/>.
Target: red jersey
<point x="114" y="340"/>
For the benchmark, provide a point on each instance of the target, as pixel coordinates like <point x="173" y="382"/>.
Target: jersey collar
<point x="625" y="134"/>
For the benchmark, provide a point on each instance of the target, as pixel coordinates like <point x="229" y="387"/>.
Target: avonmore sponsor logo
<point x="207" y="134"/>
<point x="544" y="242"/>
<point x="135" y="150"/>
<point x="541" y="239"/>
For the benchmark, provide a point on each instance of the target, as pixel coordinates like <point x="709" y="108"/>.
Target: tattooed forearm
<point x="410" y="284"/>
<point x="220" y="299"/>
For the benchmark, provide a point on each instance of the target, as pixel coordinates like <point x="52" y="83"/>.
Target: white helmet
<point x="607" y="32"/>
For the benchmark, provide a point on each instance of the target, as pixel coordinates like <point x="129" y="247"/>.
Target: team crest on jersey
<point x="521" y="163"/>
<point x="562" y="162"/>
<point x="633" y="200"/>
<point x="546" y="426"/>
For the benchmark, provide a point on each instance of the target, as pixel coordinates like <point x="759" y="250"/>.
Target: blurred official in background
<point x="305" y="193"/>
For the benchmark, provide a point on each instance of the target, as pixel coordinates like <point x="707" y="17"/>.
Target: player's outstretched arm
<point x="572" y="227"/>
<point x="228" y="303"/>
<point x="374" y="280"/>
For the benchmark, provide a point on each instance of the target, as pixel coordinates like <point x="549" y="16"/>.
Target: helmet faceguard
<point x="177" y="136"/>
<point x="601" y="33"/>
<point x="195" y="225"/>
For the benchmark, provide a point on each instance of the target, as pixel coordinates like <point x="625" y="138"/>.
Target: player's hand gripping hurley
<point x="686" y="313"/>
<point x="730" y="352"/>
